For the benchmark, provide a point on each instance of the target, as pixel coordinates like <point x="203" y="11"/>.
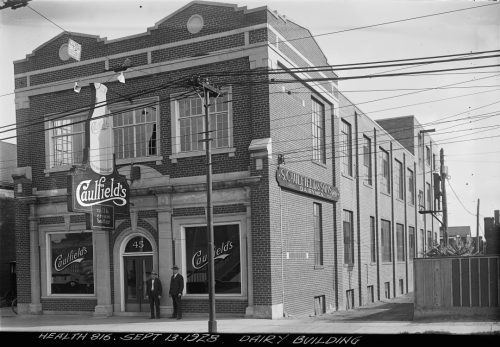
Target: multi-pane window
<point x="348" y="238"/>
<point x="422" y="242"/>
<point x="191" y="123"/>
<point x="428" y="196"/>
<point x="399" y="180"/>
<point x="400" y="242"/>
<point x="373" y="241"/>
<point x="367" y="159"/>
<point x="411" y="187"/>
<point x="411" y="241"/>
<point x="318" y="235"/>
<point x="429" y="240"/>
<point x="346" y="148"/>
<point x="135" y="133"/>
<point x="420" y="149"/>
<point x="318" y="131"/>
<point x="428" y="155"/>
<point x="67" y="141"/>
<point x="384" y="171"/>
<point x="386" y="240"/>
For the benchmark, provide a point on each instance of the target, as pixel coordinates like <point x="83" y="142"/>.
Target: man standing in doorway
<point x="176" y="288"/>
<point x="153" y="292"/>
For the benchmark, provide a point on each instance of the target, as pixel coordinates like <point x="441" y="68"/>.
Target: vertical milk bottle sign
<point x="101" y="134"/>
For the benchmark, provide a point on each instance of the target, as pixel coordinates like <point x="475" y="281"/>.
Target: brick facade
<point x="281" y="276"/>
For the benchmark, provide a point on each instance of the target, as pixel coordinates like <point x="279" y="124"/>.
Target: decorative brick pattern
<point x="51" y="220"/>
<point x="236" y="307"/>
<point x="68" y="304"/>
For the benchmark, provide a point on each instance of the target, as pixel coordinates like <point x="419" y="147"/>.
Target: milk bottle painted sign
<point x="96" y="187"/>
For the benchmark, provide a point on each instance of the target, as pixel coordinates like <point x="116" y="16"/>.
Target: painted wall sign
<point x="300" y="183"/>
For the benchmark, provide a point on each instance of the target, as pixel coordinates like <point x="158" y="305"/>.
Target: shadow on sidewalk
<point x="399" y="309"/>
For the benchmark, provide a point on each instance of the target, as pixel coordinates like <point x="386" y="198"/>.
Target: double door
<point x="137" y="269"/>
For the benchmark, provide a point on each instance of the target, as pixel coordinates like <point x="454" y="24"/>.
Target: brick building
<point x="291" y="244"/>
<point x="492" y="233"/>
<point x="8" y="163"/>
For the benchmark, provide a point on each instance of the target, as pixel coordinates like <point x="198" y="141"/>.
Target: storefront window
<point x="72" y="264"/>
<point x="226" y="259"/>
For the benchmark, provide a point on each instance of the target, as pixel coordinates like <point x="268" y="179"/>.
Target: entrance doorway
<point x="137" y="271"/>
<point x="137" y="266"/>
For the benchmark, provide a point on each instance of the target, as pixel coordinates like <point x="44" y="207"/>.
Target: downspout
<point x="358" y="222"/>
<point x="375" y="178"/>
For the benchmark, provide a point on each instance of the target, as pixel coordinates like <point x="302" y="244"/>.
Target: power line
<point x="51" y="21"/>
<point x="460" y="201"/>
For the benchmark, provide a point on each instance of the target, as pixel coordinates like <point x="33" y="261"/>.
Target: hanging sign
<point x="96" y="188"/>
<point x="303" y="184"/>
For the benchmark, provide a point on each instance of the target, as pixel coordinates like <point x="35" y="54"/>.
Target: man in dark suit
<point x="153" y="292"/>
<point x="176" y="289"/>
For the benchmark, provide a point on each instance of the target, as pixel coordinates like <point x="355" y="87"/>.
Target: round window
<point x="138" y="244"/>
<point x="63" y="52"/>
<point x="195" y="24"/>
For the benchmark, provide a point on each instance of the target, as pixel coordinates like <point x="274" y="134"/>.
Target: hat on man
<point x="175" y="267"/>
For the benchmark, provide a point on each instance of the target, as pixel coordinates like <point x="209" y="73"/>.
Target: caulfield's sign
<point x="300" y="183"/>
<point x="97" y="183"/>
<point x="87" y="189"/>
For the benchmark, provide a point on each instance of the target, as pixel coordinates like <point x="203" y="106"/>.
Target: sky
<point x="471" y="135"/>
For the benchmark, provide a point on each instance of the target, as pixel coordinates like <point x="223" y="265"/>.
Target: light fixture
<point x="77" y="88"/>
<point x="121" y="77"/>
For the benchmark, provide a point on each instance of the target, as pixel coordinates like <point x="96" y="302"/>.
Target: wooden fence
<point x="457" y="287"/>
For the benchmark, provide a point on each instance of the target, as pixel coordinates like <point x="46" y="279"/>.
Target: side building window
<point x="373" y="241"/>
<point x="188" y="124"/>
<point x="346" y="148"/>
<point x="400" y="242"/>
<point x="318" y="234"/>
<point x="348" y="238"/>
<point x="411" y="242"/>
<point x="385" y="184"/>
<point x="386" y="241"/>
<point x="399" y="180"/>
<point x="411" y="187"/>
<point x="318" y="131"/>
<point x="367" y="159"/>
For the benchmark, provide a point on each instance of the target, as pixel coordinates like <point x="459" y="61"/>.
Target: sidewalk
<point x="390" y="317"/>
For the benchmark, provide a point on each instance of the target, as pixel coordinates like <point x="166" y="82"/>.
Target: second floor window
<point x="367" y="159"/>
<point x="428" y="196"/>
<point x="373" y="241"/>
<point x="400" y="242"/>
<point x="346" y="148"/>
<point x="428" y="154"/>
<point x="411" y="242"/>
<point x="135" y="132"/>
<point x="318" y="132"/>
<point x="67" y="141"/>
<point x="190" y="123"/>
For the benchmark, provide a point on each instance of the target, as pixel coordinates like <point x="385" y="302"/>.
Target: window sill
<point x="219" y="296"/>
<point x="400" y="200"/>
<point x="175" y="156"/>
<point x="61" y="168"/>
<point x="368" y="185"/>
<point x="323" y="165"/>
<point x="72" y="296"/>
<point x="157" y="159"/>
<point x="386" y="194"/>
<point x="347" y="176"/>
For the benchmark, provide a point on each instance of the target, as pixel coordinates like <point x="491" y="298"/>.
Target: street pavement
<point x="393" y="316"/>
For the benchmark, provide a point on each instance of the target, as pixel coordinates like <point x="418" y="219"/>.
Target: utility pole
<point x="422" y="132"/>
<point x="477" y="227"/>
<point x="203" y="89"/>
<point x="444" y="200"/>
